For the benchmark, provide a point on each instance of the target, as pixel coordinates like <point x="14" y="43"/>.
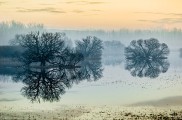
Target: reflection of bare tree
<point x="91" y="69"/>
<point x="43" y="84"/>
<point x="147" y="58"/>
<point x="91" y="49"/>
<point x="49" y="84"/>
<point x="49" y="81"/>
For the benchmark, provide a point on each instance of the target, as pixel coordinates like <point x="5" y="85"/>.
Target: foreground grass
<point x="94" y="113"/>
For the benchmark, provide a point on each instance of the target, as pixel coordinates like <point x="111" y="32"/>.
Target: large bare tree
<point x="40" y="47"/>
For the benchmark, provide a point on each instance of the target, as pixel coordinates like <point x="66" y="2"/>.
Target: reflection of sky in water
<point x="117" y="87"/>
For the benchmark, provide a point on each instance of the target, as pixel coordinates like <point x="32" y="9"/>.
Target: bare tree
<point x="147" y="58"/>
<point x="40" y="47"/>
<point x="91" y="49"/>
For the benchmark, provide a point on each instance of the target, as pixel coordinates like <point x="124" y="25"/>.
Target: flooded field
<point x="115" y="95"/>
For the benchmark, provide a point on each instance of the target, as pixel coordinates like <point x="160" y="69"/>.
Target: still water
<point x="115" y="87"/>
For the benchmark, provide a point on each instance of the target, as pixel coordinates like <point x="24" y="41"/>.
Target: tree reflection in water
<point x="50" y="82"/>
<point x="45" y="84"/>
<point x="91" y="49"/>
<point x="147" y="58"/>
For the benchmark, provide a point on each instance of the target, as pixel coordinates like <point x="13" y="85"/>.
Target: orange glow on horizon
<point x="99" y="14"/>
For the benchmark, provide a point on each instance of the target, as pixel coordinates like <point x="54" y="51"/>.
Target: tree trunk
<point x="43" y="63"/>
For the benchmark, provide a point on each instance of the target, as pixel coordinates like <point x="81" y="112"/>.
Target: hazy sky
<point x="99" y="14"/>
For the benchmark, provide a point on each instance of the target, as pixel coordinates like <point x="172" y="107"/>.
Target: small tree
<point x="40" y="47"/>
<point x="147" y="58"/>
<point x="91" y="49"/>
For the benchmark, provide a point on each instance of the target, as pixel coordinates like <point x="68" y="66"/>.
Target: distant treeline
<point x="8" y="30"/>
<point x="9" y="55"/>
<point x="10" y="51"/>
<point x="9" y="70"/>
<point x="113" y="53"/>
<point x="171" y="37"/>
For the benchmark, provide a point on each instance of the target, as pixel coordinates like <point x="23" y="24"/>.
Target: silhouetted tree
<point x="40" y="47"/>
<point x="68" y="58"/>
<point x="91" y="49"/>
<point x="147" y="58"/>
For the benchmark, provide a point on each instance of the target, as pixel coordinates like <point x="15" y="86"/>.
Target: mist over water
<point x="117" y="86"/>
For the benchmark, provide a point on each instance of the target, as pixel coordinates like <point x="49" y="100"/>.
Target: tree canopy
<point x="40" y="47"/>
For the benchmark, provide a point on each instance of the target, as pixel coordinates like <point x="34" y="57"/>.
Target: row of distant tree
<point x="126" y="35"/>
<point x="9" y="29"/>
<point x="113" y="53"/>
